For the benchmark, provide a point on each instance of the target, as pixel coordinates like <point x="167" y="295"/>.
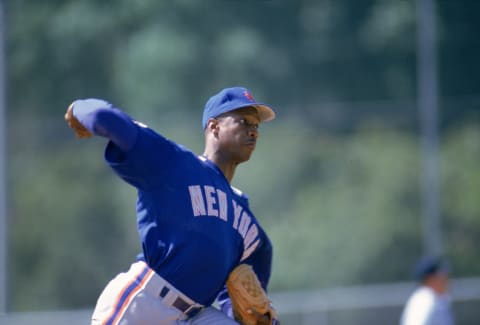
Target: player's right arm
<point x="135" y="152"/>
<point x="96" y="116"/>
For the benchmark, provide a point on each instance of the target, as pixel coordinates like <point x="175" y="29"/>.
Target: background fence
<point x="361" y="305"/>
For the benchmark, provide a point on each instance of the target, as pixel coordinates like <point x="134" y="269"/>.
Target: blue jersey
<point x="194" y="227"/>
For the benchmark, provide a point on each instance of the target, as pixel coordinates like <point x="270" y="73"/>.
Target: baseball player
<point x="429" y="303"/>
<point x="194" y="227"/>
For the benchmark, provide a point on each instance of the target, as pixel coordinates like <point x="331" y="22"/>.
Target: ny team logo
<point x="248" y="96"/>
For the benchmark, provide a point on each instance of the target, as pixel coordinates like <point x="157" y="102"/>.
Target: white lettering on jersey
<point x="251" y="235"/>
<point x="222" y="204"/>
<point x="247" y="252"/>
<point x="237" y="211"/>
<point x="211" y="200"/>
<point x="244" y="224"/>
<point x="196" y="198"/>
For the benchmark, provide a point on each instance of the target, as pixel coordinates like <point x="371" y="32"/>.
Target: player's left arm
<point x="261" y="260"/>
<point x="261" y="263"/>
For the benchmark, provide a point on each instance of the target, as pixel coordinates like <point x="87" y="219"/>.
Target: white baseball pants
<point x="142" y="297"/>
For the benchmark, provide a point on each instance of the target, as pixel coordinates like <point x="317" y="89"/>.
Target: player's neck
<point x="228" y="170"/>
<point x="227" y="167"/>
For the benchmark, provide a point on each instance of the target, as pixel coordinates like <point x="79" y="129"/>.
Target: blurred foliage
<point x="335" y="179"/>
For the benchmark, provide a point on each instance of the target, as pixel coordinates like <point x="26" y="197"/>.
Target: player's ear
<point x="212" y="125"/>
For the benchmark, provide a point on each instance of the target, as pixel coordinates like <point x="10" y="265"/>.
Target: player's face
<point x="238" y="133"/>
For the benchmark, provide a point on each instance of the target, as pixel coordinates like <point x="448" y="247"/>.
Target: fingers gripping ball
<point x="80" y="130"/>
<point x="251" y="305"/>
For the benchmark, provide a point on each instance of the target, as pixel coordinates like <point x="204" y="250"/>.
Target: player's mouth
<point x="251" y="144"/>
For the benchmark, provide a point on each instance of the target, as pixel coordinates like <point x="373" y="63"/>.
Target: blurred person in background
<point x="430" y="303"/>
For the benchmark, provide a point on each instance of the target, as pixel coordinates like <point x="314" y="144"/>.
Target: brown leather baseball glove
<point x="251" y="305"/>
<point x="80" y="130"/>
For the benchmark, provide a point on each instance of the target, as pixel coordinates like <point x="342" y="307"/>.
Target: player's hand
<point x="250" y="303"/>
<point x="80" y="130"/>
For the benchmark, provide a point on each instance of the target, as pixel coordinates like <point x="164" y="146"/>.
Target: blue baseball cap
<point x="429" y="265"/>
<point x="230" y="99"/>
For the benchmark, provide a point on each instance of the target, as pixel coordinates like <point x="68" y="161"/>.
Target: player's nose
<point x="253" y="132"/>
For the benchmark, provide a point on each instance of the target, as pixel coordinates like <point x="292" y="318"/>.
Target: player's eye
<point x="247" y="124"/>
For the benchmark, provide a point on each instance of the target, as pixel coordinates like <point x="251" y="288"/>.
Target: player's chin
<point x="245" y="156"/>
<point x="249" y="150"/>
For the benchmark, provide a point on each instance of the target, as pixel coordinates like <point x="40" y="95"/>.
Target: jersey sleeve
<point x="136" y="153"/>
<point x="102" y="119"/>
<point x="148" y="162"/>
<point x="261" y="260"/>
